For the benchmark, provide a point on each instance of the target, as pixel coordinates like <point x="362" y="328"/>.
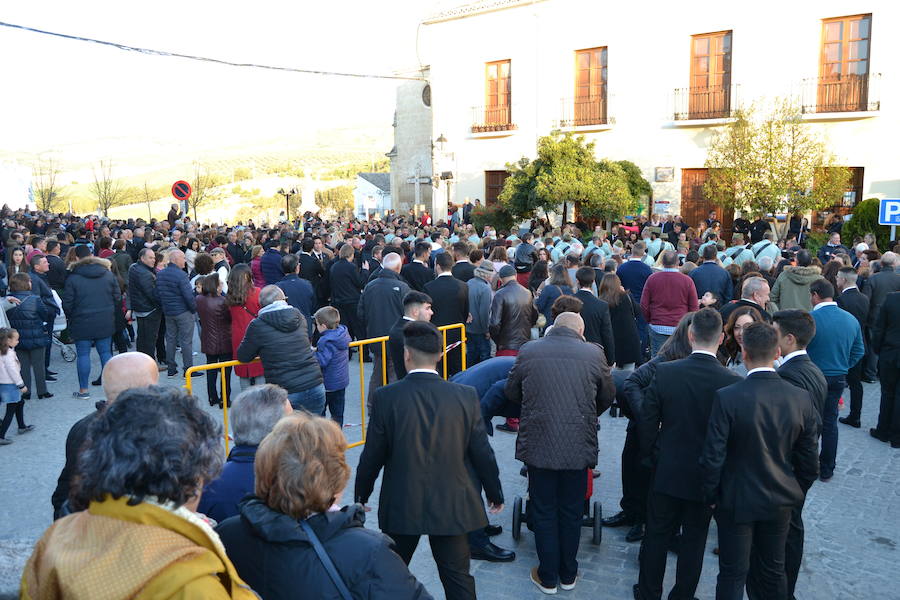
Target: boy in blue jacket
<point x="333" y="355"/>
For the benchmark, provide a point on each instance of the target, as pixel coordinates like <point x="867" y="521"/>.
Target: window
<point x="499" y="93"/>
<point x="709" y="96"/>
<point x="493" y="185"/>
<point x="844" y="64"/>
<point x="590" y="86"/>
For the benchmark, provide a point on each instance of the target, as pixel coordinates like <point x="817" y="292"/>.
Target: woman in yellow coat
<point x="138" y="482"/>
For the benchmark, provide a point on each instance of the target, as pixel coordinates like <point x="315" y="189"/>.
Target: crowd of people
<point x="729" y="357"/>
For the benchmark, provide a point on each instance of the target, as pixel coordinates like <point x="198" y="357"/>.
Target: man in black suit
<point x="346" y="282"/>
<point x="595" y="313"/>
<point x="375" y="257"/>
<point x="759" y="455"/>
<point x="672" y="429"/>
<point x="886" y="342"/>
<point x="416" y="307"/>
<point x="857" y="304"/>
<point x="450" y="302"/>
<point x="463" y="269"/>
<point x="795" y="330"/>
<point x="311" y="269"/>
<point x="754" y="292"/>
<point x="428" y="486"/>
<point x="877" y="287"/>
<point x="417" y="273"/>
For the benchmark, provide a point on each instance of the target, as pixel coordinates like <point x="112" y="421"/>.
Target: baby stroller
<point x="60" y="337"/>
<point x="592" y="518"/>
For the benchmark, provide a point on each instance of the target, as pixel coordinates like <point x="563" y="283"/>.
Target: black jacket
<point x="417" y="274"/>
<point x="802" y="372"/>
<point x="142" y="294"/>
<point x="90" y="299"/>
<point x="449" y="300"/>
<point x="279" y="337"/>
<point x="673" y="420"/>
<point x="57" y="274"/>
<point x="733" y="306"/>
<point x="524" y="257"/>
<point x="878" y="286"/>
<point x="381" y="303"/>
<point x="598" y="327"/>
<point x="512" y="316"/>
<point x="857" y="304"/>
<point x="464" y="271"/>
<point x="74" y="441"/>
<point x="275" y="557"/>
<point x="396" y="346"/>
<point x="761" y="450"/>
<point x="313" y="271"/>
<point x="886" y="333"/>
<point x="625" y="332"/>
<point x="563" y="383"/>
<point x="428" y="436"/>
<point x="345" y="282"/>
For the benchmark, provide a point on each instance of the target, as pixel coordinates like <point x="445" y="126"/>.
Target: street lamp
<point x="440" y="142"/>
<point x="288" y="194"/>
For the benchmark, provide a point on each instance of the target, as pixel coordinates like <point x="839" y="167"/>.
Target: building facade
<point x="372" y="194"/>
<point x="411" y="156"/>
<point x="652" y="83"/>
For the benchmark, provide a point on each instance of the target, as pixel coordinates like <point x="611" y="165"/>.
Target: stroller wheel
<point x="517" y="515"/>
<point x="597" y="536"/>
<point x="67" y="352"/>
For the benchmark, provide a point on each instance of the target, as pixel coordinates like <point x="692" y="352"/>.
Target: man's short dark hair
<point x="444" y="261"/>
<point x="710" y="252"/>
<point x="822" y="288"/>
<point x="760" y="341"/>
<point x="804" y="258"/>
<point x="585" y="276"/>
<point x="798" y="323"/>
<point x="422" y="248"/>
<point x="307" y="244"/>
<point x="289" y="263"/>
<point x="52" y="245"/>
<point x="573" y="259"/>
<point x="36" y="259"/>
<point x="527" y="237"/>
<point x="707" y="326"/>
<point x="461" y="249"/>
<point x="422" y="337"/>
<point x="415" y="297"/>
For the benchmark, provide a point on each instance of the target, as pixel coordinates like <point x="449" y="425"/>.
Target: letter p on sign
<point x="889" y="211"/>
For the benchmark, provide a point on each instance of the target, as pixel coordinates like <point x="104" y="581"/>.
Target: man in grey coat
<point x="478" y="338"/>
<point x="562" y="383"/>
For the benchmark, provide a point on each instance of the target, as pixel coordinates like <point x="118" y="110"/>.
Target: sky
<point x="58" y="92"/>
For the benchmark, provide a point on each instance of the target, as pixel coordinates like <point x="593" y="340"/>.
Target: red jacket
<point x="668" y="296"/>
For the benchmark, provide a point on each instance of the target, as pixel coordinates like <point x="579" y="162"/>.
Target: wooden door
<point x="695" y="206"/>
<point x="493" y="185"/>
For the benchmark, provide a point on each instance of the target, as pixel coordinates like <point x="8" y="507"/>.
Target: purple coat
<point x="333" y="355"/>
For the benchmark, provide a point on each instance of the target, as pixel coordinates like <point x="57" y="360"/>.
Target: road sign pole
<point x="893" y="232"/>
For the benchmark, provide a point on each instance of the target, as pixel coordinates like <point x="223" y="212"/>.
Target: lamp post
<point x="288" y="194"/>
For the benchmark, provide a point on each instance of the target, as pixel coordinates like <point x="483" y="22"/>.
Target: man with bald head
<point x="562" y="383"/>
<point x="122" y="372"/>
<point x="178" y="306"/>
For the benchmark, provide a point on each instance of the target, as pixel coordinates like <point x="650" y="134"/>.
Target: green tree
<point x="865" y="220"/>
<point x="640" y="188"/>
<point x="773" y="163"/>
<point x="336" y="200"/>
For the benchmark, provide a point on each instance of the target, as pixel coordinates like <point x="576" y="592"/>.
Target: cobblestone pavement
<point x="852" y="522"/>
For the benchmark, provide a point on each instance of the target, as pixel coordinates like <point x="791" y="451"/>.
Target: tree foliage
<point x="773" y="163"/>
<point x="47" y="191"/>
<point x="566" y="172"/>
<point x="108" y="191"/>
<point x="865" y="220"/>
<point x="337" y="201"/>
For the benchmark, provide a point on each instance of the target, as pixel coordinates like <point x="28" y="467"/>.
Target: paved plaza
<point x="852" y="522"/>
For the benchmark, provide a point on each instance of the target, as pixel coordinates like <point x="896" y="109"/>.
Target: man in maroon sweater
<point x="668" y="296"/>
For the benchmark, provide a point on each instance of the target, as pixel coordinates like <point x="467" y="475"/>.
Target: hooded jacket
<point x="791" y="289"/>
<point x="333" y="357"/>
<point x="279" y="337"/>
<point x="275" y="556"/>
<point x="90" y="299"/>
<point x="28" y="318"/>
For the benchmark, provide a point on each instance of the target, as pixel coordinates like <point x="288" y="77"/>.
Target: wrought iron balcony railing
<point x="841" y="93"/>
<point x="712" y="102"/>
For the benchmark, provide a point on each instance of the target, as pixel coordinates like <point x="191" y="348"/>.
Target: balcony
<point x="585" y="113"/>
<point x="841" y="94"/>
<point x="492" y="120"/>
<point x="706" y="103"/>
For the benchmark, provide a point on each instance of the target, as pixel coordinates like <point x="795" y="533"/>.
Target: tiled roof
<point x="380" y="180"/>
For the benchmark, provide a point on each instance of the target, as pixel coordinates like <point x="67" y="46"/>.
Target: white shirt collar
<point x="432" y="371"/>
<point x="823" y="305"/>
<point x="792" y="355"/>
<point x="462" y="261"/>
<point x="416" y="260"/>
<point x="704" y="352"/>
<point x="760" y="370"/>
<point x="637" y="259"/>
<point x="849" y="287"/>
<point x="405" y="318"/>
<point x="445" y="274"/>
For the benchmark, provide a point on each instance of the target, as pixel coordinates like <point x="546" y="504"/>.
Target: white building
<point x="651" y="83"/>
<point x="411" y="157"/>
<point x="372" y="194"/>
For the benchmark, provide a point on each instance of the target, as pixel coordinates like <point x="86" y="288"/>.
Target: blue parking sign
<point x="889" y="211"/>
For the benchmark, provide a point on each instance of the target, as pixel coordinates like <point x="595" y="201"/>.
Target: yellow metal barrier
<point x="362" y="381"/>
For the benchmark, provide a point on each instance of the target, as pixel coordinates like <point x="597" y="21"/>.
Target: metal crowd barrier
<point x="362" y="379"/>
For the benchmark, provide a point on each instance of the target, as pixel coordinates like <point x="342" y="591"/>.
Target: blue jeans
<point x="828" y="456"/>
<point x="656" y="342"/>
<point x="83" y="363"/>
<point x="335" y="402"/>
<point x="478" y="349"/>
<point x="311" y="400"/>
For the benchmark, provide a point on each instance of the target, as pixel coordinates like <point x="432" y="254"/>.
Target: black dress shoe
<point x="492" y="530"/>
<point x="878" y="435"/>
<point x="868" y="380"/>
<point x="98" y="381"/>
<point x="47" y="395"/>
<point x="507" y="428"/>
<point x="50" y="378"/>
<point x="636" y="533"/>
<point x="850" y="422"/>
<point x="895" y="444"/>
<point x="492" y="553"/>
<point x="618" y="520"/>
<point x="49" y="372"/>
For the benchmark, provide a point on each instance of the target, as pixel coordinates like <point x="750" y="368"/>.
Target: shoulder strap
<point x="249" y="312"/>
<point x="761" y="248"/>
<point x="735" y="254"/>
<point x="326" y="561"/>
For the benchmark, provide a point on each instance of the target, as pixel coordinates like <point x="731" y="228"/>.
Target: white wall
<point x="364" y="190"/>
<point x="775" y="45"/>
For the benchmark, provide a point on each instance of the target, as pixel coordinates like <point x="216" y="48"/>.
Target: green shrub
<point x="815" y="240"/>
<point x="495" y="216"/>
<point x="863" y="221"/>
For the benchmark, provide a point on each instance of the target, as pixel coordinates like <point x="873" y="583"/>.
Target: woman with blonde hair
<point x="293" y="530"/>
